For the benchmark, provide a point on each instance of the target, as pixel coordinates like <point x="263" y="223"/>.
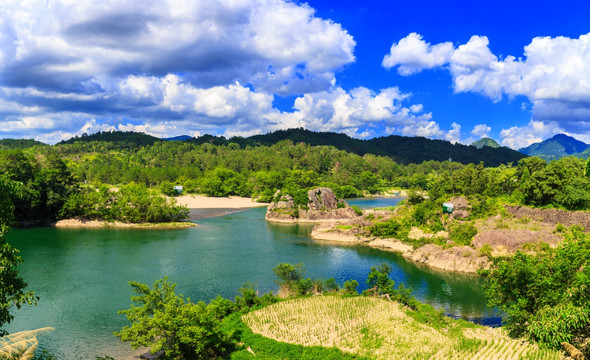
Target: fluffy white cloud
<point x="554" y="75"/>
<point x="278" y="46"/>
<point x="535" y="131"/>
<point x="481" y="130"/>
<point x="357" y="111"/>
<point x="167" y="67"/>
<point x="413" y="55"/>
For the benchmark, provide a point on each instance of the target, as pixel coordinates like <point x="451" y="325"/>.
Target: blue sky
<point x="518" y="73"/>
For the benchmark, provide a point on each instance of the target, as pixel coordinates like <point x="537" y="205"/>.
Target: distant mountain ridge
<point x="402" y="149"/>
<point x="19" y="143"/>
<point x="486" y="141"/>
<point x="558" y="146"/>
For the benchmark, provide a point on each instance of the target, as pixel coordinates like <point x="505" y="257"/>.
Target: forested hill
<point x="125" y="139"/>
<point x="18" y="143"/>
<point x="402" y="149"/>
<point x="418" y="149"/>
<point x="557" y="147"/>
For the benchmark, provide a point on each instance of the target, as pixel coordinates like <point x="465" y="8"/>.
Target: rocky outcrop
<point x="322" y="198"/>
<point x="551" y="216"/>
<point x="456" y="258"/>
<point x="322" y="206"/>
<point x="461" y="208"/>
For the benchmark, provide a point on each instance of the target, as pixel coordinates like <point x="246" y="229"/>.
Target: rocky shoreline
<point x="459" y="258"/>
<point x="518" y="229"/>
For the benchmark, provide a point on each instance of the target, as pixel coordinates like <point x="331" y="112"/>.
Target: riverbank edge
<point x="77" y="223"/>
<point x="461" y="259"/>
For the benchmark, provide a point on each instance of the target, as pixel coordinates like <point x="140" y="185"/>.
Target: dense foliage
<point x="133" y="203"/>
<point x="12" y="286"/>
<point x="175" y="326"/>
<point x="546" y="295"/>
<point x="178" y="329"/>
<point x="402" y="149"/>
<point x="44" y="179"/>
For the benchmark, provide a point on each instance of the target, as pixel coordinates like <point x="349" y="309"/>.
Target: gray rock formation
<point x="322" y="206"/>
<point x="322" y="199"/>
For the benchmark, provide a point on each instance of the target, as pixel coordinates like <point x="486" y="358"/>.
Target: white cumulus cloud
<point x="553" y="73"/>
<point x="481" y="130"/>
<point x="412" y="55"/>
<point x="185" y="66"/>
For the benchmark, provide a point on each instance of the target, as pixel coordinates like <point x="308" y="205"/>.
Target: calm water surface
<point x="81" y="275"/>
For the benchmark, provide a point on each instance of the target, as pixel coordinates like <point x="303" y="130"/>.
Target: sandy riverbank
<point x="206" y="202"/>
<point x="75" y="223"/>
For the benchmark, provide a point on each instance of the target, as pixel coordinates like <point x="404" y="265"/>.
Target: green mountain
<point x="486" y="142"/>
<point x="557" y="147"/>
<point x="402" y="149"/>
<point x="126" y="139"/>
<point x="19" y="143"/>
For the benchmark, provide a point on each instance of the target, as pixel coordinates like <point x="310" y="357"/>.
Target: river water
<point x="82" y="275"/>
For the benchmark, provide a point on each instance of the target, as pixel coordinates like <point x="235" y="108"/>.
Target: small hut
<point x="178" y="189"/>
<point x="448" y="208"/>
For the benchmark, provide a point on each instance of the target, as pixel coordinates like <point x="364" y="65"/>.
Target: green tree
<point x="378" y="281"/>
<point x="289" y="276"/>
<point x="546" y="297"/>
<point x="173" y="325"/>
<point x="12" y="286"/>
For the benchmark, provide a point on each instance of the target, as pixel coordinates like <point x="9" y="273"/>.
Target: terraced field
<point x="381" y="329"/>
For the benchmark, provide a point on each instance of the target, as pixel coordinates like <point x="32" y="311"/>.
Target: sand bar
<point x="206" y="202"/>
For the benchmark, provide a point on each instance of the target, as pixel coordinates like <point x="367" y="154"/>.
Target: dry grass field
<point x="381" y="329"/>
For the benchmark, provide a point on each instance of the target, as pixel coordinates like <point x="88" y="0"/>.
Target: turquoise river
<point x="82" y="275"/>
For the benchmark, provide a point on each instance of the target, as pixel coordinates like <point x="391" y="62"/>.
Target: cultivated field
<point x="381" y="329"/>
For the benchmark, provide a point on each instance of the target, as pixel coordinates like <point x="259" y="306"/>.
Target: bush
<point x="486" y="250"/>
<point x="389" y="228"/>
<point x="171" y="324"/>
<point x="347" y="192"/>
<point x="357" y="210"/>
<point x="545" y="295"/>
<point x="167" y="188"/>
<point x="462" y="234"/>
<point x="350" y="286"/>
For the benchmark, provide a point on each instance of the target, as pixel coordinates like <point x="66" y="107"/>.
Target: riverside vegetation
<point x="337" y="324"/>
<point x="542" y="289"/>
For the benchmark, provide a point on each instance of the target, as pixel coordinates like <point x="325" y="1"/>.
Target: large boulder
<point x="322" y="206"/>
<point x="322" y="198"/>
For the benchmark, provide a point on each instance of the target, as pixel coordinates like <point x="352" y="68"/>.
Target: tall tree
<point x="12" y="286"/>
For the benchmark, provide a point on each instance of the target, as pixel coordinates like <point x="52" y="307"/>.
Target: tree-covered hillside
<point x="485" y="142"/>
<point x="18" y="143"/>
<point x="557" y="147"/>
<point x="401" y="149"/>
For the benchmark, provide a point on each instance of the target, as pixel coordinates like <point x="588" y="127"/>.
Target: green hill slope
<point x="557" y="147"/>
<point x="485" y="142"/>
<point x="402" y="149"/>
<point x="19" y="143"/>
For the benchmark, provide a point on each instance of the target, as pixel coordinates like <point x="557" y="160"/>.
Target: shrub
<point x="170" y="324"/>
<point x="389" y="228"/>
<point x="485" y="250"/>
<point x="357" y="210"/>
<point x="559" y="228"/>
<point x="350" y="286"/>
<point x="462" y="234"/>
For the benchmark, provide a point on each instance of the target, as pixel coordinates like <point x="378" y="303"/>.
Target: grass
<point x="379" y="329"/>
<point x="343" y="227"/>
